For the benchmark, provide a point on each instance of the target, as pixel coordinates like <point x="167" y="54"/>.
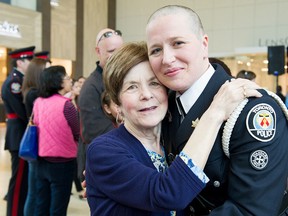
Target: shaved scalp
<point x="193" y="19"/>
<point x="100" y="34"/>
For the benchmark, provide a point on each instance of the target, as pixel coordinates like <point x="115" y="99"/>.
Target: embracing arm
<point x="225" y="101"/>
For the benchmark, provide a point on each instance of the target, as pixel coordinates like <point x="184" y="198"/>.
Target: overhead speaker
<point x="276" y="60"/>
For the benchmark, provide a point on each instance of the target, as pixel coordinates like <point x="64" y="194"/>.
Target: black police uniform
<point x="252" y="181"/>
<point x="16" y="125"/>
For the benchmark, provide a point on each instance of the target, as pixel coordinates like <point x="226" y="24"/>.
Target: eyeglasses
<point x="109" y="34"/>
<point x="67" y="78"/>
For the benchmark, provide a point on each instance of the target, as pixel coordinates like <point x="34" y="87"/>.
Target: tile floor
<point x="76" y="207"/>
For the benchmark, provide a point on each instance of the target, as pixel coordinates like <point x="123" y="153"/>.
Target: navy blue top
<point x="122" y="180"/>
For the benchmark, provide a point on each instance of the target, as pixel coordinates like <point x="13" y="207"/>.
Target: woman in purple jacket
<point x="126" y="169"/>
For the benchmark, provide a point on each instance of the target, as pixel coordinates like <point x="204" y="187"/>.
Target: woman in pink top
<point x="58" y="128"/>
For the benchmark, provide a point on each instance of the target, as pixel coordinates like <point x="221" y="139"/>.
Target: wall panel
<point x="95" y="19"/>
<point x="29" y="24"/>
<point x="63" y="30"/>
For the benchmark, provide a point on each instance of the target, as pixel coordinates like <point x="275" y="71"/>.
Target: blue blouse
<point x="161" y="165"/>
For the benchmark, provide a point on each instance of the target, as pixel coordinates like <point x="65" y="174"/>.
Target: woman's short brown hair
<point x="119" y="64"/>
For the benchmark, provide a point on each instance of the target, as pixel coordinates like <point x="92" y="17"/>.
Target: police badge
<point x="261" y="122"/>
<point x="15" y="88"/>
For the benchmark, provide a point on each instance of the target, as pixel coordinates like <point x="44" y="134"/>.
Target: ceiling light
<point x="54" y="3"/>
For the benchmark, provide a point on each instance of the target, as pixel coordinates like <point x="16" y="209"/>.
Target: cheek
<point x="154" y="62"/>
<point x="163" y="97"/>
<point x="127" y="106"/>
<point x="69" y="86"/>
<point x="165" y="100"/>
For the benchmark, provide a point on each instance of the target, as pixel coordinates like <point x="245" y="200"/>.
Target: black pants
<point x="76" y="179"/>
<point x="18" y="184"/>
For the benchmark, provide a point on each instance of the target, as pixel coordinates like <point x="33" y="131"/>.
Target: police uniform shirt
<point x="189" y="97"/>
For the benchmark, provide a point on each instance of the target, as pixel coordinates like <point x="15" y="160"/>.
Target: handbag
<point x="29" y="143"/>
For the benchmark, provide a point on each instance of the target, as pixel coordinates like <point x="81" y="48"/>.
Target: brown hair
<point x="106" y="100"/>
<point x="246" y="75"/>
<point x="218" y="61"/>
<point x="32" y="75"/>
<point x="119" y="64"/>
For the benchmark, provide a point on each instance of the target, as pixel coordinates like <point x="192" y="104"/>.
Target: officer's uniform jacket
<point x="252" y="181"/>
<point x="15" y="110"/>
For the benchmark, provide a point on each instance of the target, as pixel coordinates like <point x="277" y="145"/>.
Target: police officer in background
<point x="44" y="55"/>
<point x="16" y="125"/>
<point x="244" y="74"/>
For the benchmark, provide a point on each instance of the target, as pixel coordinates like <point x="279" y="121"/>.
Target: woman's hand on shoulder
<point x="231" y="94"/>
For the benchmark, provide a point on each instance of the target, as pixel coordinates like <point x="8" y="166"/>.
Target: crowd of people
<point x="158" y="128"/>
<point x="44" y="92"/>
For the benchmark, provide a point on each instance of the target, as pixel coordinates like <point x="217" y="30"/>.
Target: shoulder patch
<point x="259" y="159"/>
<point x="261" y="122"/>
<point x="15" y="87"/>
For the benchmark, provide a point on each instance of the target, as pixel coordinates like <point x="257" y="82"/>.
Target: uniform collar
<point x="189" y="97"/>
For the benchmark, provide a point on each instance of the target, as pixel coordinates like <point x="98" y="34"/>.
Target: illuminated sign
<point x="273" y="42"/>
<point x="8" y="29"/>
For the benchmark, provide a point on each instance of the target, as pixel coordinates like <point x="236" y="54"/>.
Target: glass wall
<point x="28" y="4"/>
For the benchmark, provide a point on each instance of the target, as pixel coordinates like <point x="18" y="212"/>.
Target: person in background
<point x="93" y="120"/>
<point x="220" y="62"/>
<point x="255" y="146"/>
<point x="81" y="80"/>
<point x="44" y="55"/>
<point x="30" y="88"/>
<point x="16" y="124"/>
<point x="30" y="91"/>
<point x="279" y="93"/>
<point x="57" y="120"/>
<point x="76" y="88"/>
<point x="244" y="74"/>
<point x="126" y="168"/>
<point x="111" y="110"/>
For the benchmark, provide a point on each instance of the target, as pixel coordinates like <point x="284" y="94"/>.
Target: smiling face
<point x="143" y="98"/>
<point x="178" y="52"/>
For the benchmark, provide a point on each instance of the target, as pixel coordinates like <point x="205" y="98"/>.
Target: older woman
<point x="126" y="169"/>
<point x="58" y="124"/>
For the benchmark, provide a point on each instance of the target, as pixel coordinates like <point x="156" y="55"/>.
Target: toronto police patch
<point x="15" y="88"/>
<point x="259" y="159"/>
<point x="261" y="122"/>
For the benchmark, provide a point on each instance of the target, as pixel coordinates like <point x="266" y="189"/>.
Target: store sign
<point x="10" y="30"/>
<point x="273" y="42"/>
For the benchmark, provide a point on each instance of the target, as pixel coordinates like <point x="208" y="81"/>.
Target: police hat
<point x="24" y="53"/>
<point x="42" y="55"/>
<point x="246" y="75"/>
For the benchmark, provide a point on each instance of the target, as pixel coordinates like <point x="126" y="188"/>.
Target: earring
<point x="117" y="119"/>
